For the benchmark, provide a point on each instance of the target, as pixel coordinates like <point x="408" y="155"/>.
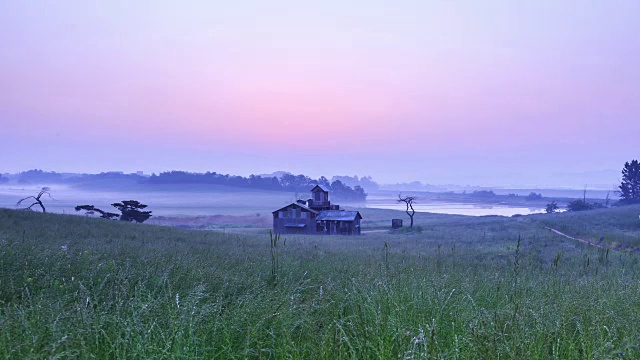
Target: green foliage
<point x="39" y="176"/>
<point x="581" y="205"/>
<point x="77" y="287"/>
<point x="483" y="194"/>
<point x="630" y="184"/>
<point x="534" y="196"/>
<point x="131" y="211"/>
<point x="551" y="207"/>
<point x="90" y="210"/>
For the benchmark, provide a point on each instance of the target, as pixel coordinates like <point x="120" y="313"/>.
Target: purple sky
<point x="466" y="92"/>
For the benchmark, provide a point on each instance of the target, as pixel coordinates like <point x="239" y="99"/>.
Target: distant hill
<point x="277" y="174"/>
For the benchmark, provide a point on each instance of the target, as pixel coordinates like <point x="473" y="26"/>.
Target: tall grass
<point x="273" y="240"/>
<point x="72" y="287"/>
<point x="616" y="227"/>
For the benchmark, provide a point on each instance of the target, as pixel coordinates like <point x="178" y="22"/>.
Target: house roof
<point x="320" y="187"/>
<point x="295" y="225"/>
<point x="338" y="215"/>
<point x="305" y="207"/>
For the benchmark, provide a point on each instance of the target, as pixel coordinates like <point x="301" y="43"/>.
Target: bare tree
<point x="37" y="199"/>
<point x="408" y="200"/>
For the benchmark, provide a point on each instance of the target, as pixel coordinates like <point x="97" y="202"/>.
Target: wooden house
<point x="316" y="216"/>
<point x="295" y="218"/>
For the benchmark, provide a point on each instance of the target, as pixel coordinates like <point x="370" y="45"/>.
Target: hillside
<point x="617" y="227"/>
<point x="462" y="287"/>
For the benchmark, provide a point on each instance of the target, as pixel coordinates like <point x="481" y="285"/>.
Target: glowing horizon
<point x="432" y="91"/>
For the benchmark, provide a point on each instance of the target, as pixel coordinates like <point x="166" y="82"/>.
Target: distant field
<point x="458" y="287"/>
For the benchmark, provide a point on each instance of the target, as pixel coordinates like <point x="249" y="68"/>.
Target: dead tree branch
<point x="408" y="200"/>
<point x="37" y="199"/>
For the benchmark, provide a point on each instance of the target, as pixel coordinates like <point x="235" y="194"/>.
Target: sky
<point x="530" y="93"/>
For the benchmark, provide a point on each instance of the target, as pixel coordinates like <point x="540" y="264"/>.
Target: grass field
<point x="460" y="288"/>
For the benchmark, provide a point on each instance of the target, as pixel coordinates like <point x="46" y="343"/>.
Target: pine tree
<point x="630" y="185"/>
<point x="131" y="211"/>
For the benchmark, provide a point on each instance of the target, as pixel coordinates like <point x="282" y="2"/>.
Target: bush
<point x="483" y="194"/>
<point x="581" y="205"/>
<point x="534" y="196"/>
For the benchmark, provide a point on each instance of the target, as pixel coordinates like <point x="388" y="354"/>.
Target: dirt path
<point x="587" y="242"/>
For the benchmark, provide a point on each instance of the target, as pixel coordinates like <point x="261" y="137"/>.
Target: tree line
<point x="286" y="182"/>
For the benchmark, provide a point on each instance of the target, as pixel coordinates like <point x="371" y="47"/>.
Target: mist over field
<point x="188" y="197"/>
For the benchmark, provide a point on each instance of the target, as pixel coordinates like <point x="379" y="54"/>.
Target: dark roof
<point x="338" y="215"/>
<point x="298" y="205"/>
<point x="321" y="187"/>
<point x="295" y="225"/>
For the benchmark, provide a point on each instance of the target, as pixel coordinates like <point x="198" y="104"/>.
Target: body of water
<point x="461" y="208"/>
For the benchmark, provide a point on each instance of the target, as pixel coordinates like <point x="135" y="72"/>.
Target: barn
<point x="316" y="216"/>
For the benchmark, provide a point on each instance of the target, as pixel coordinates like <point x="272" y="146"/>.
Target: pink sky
<point x="461" y="92"/>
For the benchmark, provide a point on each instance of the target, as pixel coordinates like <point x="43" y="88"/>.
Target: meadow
<point x="454" y="288"/>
